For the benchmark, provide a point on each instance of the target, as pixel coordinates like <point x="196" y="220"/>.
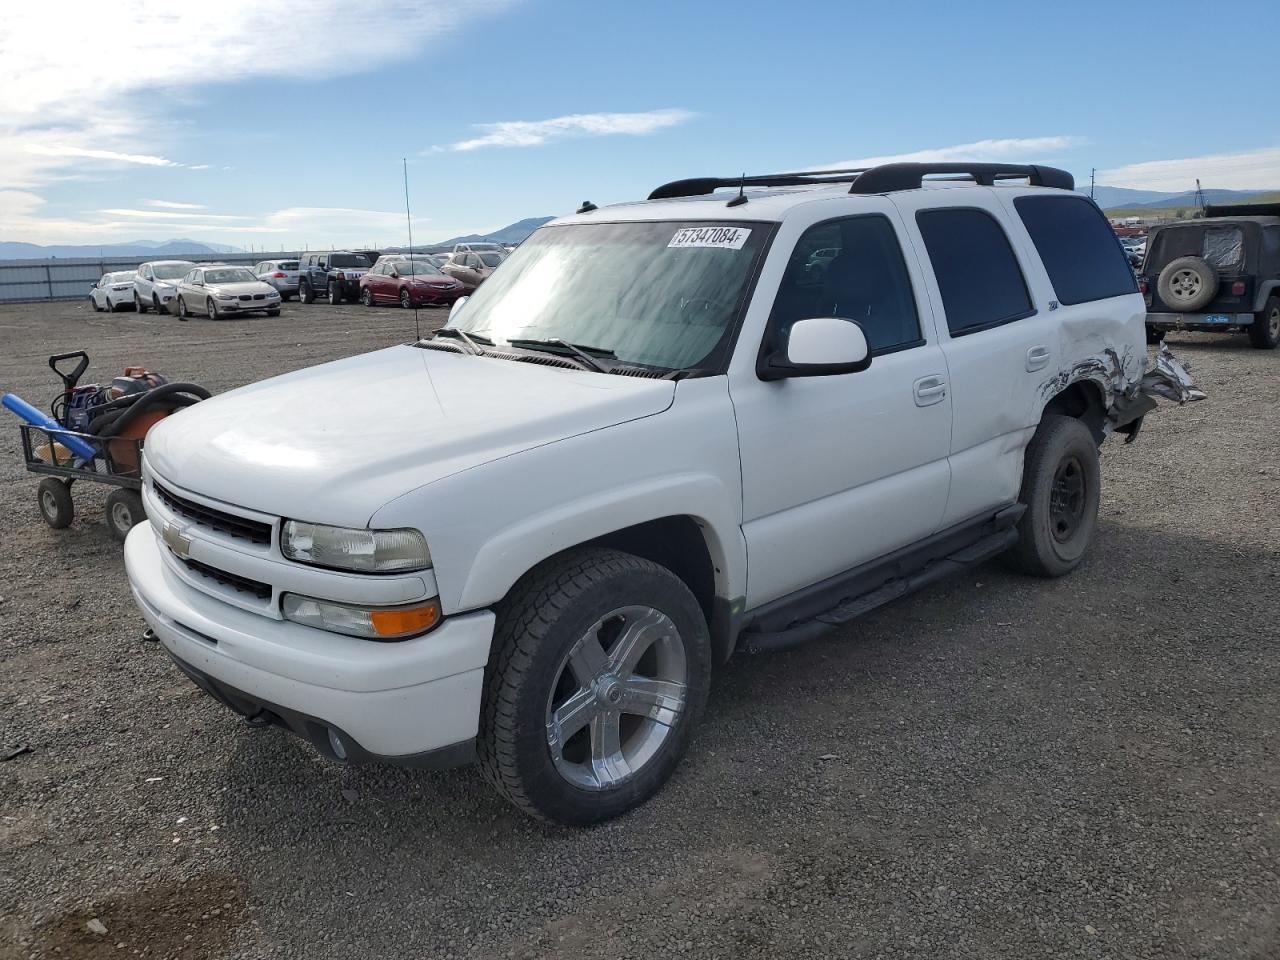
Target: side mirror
<point x="457" y="305"/>
<point x="818" y="347"/>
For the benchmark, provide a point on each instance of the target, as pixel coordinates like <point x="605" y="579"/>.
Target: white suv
<point x="156" y="285"/>
<point x="662" y="432"/>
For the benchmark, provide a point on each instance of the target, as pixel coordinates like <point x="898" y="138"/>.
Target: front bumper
<point x="428" y="297"/>
<point x="1198" y="321"/>
<point x="414" y="702"/>
<point x="249" y="306"/>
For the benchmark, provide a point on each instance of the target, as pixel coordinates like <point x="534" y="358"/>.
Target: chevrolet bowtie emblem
<point x="176" y="540"/>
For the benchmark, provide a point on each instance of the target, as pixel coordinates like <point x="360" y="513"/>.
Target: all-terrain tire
<point x="538" y="623"/>
<point x="1187" y="284"/>
<point x="335" y="294"/>
<point x="1264" y="332"/>
<point x="1060" y="489"/>
<point x="305" y="293"/>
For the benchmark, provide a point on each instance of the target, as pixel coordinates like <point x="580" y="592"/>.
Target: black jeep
<point x="335" y="275"/>
<point x="1218" y="273"/>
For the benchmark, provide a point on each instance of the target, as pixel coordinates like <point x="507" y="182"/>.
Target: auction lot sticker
<point x="725" y="238"/>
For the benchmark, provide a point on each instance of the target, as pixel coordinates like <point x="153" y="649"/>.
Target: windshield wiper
<point x="467" y="339"/>
<point x="579" y="350"/>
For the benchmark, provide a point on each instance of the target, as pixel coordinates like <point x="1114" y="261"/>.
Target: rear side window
<point x="1079" y="249"/>
<point x="978" y="275"/>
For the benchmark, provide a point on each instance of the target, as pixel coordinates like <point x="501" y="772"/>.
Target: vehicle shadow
<point x="982" y="700"/>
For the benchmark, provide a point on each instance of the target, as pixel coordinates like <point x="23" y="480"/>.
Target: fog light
<point x="335" y="744"/>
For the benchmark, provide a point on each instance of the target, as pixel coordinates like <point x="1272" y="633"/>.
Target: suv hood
<point x="334" y="443"/>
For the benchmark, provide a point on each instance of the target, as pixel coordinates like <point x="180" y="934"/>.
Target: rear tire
<point x="573" y="727"/>
<point x="406" y="299"/>
<point x="305" y="293"/>
<point x="1264" y="332"/>
<point x="1060" y="488"/>
<point x="335" y="295"/>
<point x="54" y="499"/>
<point x="124" y="511"/>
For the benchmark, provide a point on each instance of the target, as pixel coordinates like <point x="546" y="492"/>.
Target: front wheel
<point x="598" y="674"/>
<point x="366" y="296"/>
<point x="1264" y="332"/>
<point x="1060" y="486"/>
<point x="211" y="308"/>
<point x="138" y="304"/>
<point x="124" y="511"/>
<point x="54" y="498"/>
<point x="406" y="299"/>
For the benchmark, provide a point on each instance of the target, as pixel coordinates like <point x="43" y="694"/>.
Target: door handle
<point x="929" y="390"/>
<point x="1037" y="358"/>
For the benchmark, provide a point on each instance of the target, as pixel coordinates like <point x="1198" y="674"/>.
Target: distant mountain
<point x="137" y="248"/>
<point x="1110" y="198"/>
<point x="512" y="233"/>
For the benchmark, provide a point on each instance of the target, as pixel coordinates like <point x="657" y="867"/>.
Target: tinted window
<point x="1078" y="248"/>
<point x="850" y="268"/>
<point x="978" y="275"/>
<point x="348" y="260"/>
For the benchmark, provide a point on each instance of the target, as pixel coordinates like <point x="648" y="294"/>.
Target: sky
<point x="284" y="125"/>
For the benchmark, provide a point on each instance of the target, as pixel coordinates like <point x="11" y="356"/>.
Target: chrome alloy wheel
<point x="617" y="696"/>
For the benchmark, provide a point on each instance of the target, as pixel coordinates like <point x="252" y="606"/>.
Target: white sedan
<point x="113" y="291"/>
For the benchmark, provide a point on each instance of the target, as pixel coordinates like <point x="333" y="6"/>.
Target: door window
<point x="851" y="268"/>
<point x="1079" y="249"/>
<point x="978" y="275"/>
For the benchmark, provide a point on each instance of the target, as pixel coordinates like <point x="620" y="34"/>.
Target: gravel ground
<point x="996" y="767"/>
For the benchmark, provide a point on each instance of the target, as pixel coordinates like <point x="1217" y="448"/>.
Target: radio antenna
<point x="408" y="218"/>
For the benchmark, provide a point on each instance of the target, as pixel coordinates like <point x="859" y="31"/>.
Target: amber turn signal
<point x="405" y="621"/>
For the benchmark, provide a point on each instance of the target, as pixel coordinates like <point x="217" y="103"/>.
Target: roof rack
<point x="886" y="178"/>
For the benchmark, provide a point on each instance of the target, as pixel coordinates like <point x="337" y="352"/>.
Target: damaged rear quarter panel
<point x="1094" y="348"/>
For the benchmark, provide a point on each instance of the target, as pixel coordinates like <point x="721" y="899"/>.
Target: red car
<point x="409" y="282"/>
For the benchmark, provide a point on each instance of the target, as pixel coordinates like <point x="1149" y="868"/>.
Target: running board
<point x="990" y="545"/>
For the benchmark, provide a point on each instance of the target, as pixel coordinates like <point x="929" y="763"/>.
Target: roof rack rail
<point x="702" y="186"/>
<point x="886" y="178"/>
<point x="889" y="177"/>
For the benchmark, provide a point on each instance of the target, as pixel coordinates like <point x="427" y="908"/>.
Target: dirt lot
<point x="995" y="768"/>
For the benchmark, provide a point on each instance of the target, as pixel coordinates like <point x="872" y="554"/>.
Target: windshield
<point x="349" y="260"/>
<point x="419" y="268"/>
<point x="171" y="271"/>
<point x="121" y="277"/>
<point x="235" y="275"/>
<point x="658" y="294"/>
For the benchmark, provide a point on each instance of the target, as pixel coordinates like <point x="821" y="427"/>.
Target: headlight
<point x="372" y="623"/>
<point x="224" y="296"/>
<point x="363" y="551"/>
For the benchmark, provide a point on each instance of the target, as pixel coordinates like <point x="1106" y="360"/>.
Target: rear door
<point x="999" y="334"/>
<point x="841" y="470"/>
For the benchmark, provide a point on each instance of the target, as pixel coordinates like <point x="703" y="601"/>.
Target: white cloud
<point x="174" y="204"/>
<point x="1252" y="169"/>
<point x="62" y="150"/>
<point x="84" y="91"/>
<point x="1010" y="149"/>
<point x="530" y="133"/>
<point x="156" y="215"/>
<point x="22" y="216"/>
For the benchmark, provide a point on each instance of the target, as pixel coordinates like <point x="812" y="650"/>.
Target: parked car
<point x="335" y="275"/>
<point x="1134" y="250"/>
<point x="156" y="285"/>
<point x="472" y="263"/>
<point x="410" y="282"/>
<point x="113" y="291"/>
<point x="1220" y="273"/>
<point x="650" y="440"/>
<point x="219" y="291"/>
<point x="281" y="274"/>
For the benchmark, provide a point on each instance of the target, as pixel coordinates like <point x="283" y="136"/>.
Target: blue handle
<point x="36" y="418"/>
